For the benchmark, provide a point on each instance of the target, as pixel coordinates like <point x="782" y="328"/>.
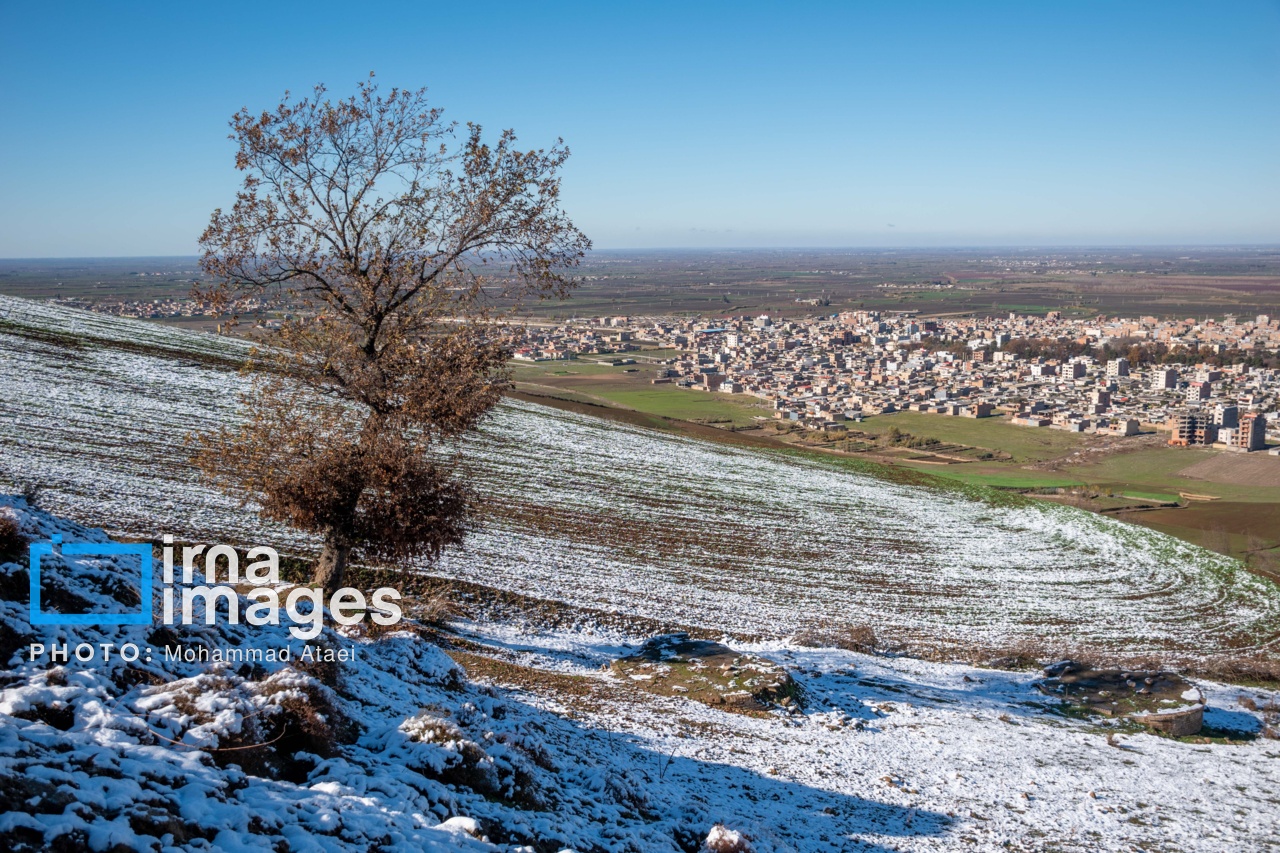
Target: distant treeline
<point x="1139" y="351"/>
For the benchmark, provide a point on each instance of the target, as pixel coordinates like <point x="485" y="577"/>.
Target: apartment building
<point x="1192" y="428"/>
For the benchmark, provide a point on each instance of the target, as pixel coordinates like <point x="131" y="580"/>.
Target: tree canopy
<point x="399" y="246"/>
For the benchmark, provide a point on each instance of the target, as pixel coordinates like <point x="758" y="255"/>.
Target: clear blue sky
<point x="692" y="124"/>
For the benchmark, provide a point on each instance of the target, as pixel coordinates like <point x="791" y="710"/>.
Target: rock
<point x="1062" y="667"/>
<point x="709" y="672"/>
<point x="1178" y="723"/>
<point x="1164" y="701"/>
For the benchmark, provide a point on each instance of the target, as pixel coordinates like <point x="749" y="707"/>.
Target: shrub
<point x="30" y="492"/>
<point x="437" y="608"/>
<point x="826" y="634"/>
<point x="13" y="545"/>
<point x="503" y="771"/>
<point x="303" y="721"/>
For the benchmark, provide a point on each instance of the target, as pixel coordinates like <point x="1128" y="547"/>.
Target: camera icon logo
<point x="91" y="549"/>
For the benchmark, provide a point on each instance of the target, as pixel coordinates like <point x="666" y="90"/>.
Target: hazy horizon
<point x="1047" y="247"/>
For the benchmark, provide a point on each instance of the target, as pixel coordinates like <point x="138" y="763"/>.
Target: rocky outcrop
<point x="712" y="673"/>
<point x="1164" y="701"/>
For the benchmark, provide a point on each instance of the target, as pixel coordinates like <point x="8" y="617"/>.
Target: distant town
<point x="1212" y="382"/>
<point x="171" y="308"/>
<point x="1209" y="382"/>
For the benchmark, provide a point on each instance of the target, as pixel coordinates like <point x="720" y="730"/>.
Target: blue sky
<point x="692" y="124"/>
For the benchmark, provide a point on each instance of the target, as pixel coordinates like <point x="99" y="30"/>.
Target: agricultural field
<point x="628" y="386"/>
<point x="602" y="514"/>
<point x="999" y="476"/>
<point x="1218" y="500"/>
<point x="1023" y="444"/>
<point x="1082" y="282"/>
<point x="1079" y="282"/>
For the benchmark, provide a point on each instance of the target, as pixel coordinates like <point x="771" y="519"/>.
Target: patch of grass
<point x="671" y="402"/>
<point x="827" y="634"/>
<point x="1024" y="444"/>
<point x="538" y="371"/>
<point x="930" y="477"/>
<point x="1158" y="497"/>
<point x="1011" y="478"/>
<point x="629" y="386"/>
<point x="1157" y="471"/>
<point x="659" y="353"/>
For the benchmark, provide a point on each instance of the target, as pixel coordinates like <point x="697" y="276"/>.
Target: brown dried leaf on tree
<point x="401" y="249"/>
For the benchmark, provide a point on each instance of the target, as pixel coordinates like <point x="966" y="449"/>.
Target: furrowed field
<point x="603" y="515"/>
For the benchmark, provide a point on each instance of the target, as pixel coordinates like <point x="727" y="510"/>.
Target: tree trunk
<point x="332" y="566"/>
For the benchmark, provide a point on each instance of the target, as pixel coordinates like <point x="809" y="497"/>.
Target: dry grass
<point x="1270" y="713"/>
<point x="1240" y="469"/>
<point x="1255" y="668"/>
<point x="371" y="630"/>
<point x="1246" y="667"/>
<point x="828" y="634"/>
<point x="280" y="742"/>
<point x="327" y="672"/>
<point x="512" y="778"/>
<point x="436" y="608"/>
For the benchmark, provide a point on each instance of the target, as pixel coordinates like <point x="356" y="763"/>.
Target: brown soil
<point x="578" y="692"/>
<point x="1242" y="469"/>
<point x="1245" y="519"/>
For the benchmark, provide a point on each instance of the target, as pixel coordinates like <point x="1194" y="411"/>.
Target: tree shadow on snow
<point x="683" y="797"/>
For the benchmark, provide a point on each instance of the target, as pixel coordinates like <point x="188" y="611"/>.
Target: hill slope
<point x="543" y="750"/>
<point x="610" y="516"/>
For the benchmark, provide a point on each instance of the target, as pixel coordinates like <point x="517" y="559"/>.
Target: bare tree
<point x="400" y="245"/>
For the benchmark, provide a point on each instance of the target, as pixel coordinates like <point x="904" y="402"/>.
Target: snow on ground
<point x="555" y="754"/>
<point x="972" y="754"/>
<point x="602" y="515"/>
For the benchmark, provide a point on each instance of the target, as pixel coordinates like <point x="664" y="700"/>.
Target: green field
<point x="1235" y="524"/>
<point x="1000" y="477"/>
<point x="641" y="355"/>
<point x="670" y="402"/>
<point x="1024" y="444"/>
<point x="599" y="383"/>
<point x="1157" y="471"/>
<point x="625" y="385"/>
<point x="567" y="368"/>
<point x="1158" y="497"/>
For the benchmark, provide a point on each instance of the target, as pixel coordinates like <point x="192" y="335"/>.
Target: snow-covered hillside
<point x="603" y="515"/>
<point x="397" y="750"/>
